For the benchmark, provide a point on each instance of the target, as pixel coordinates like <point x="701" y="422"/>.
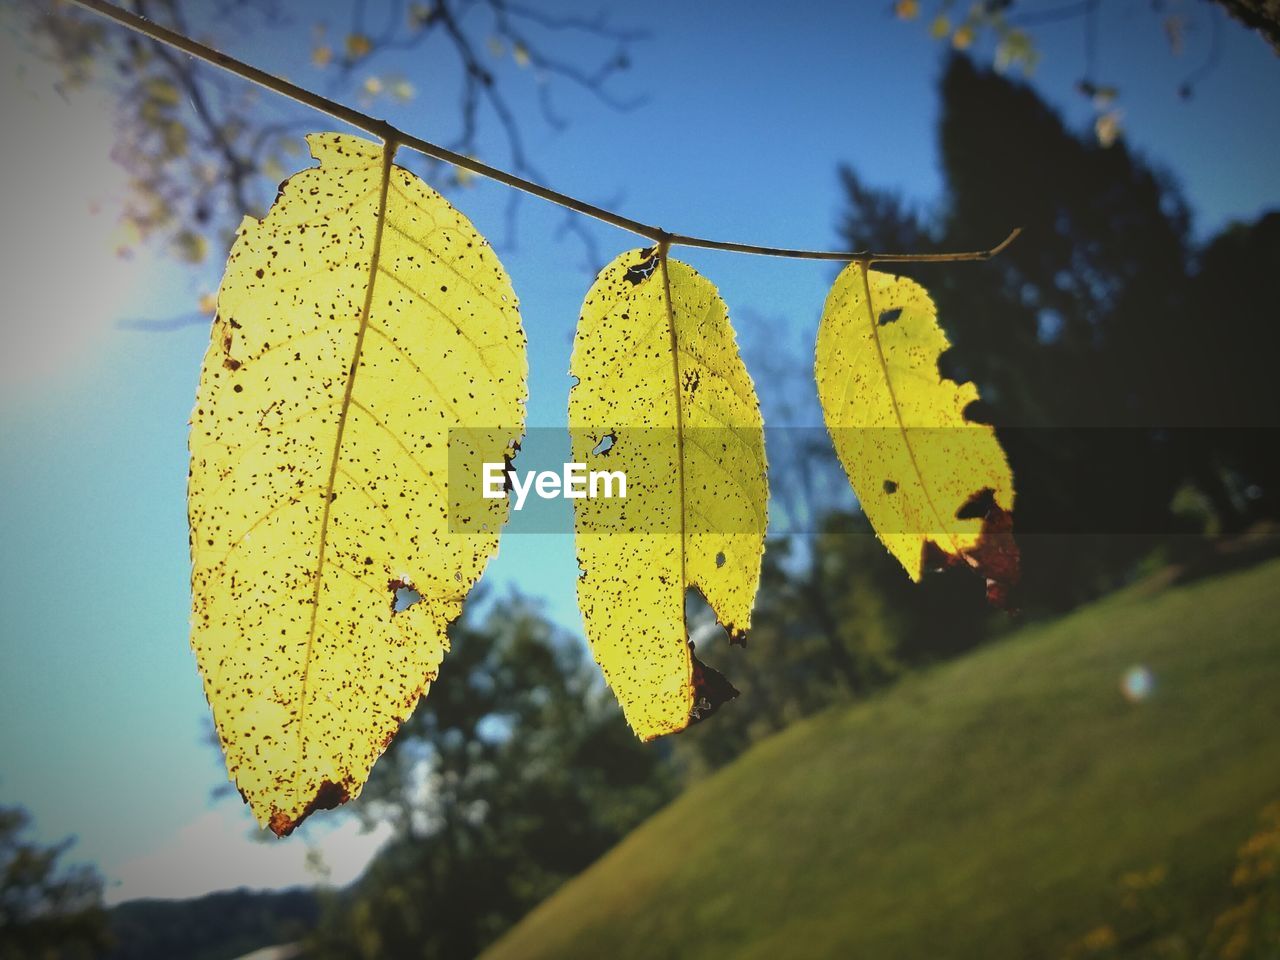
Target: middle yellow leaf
<point x="664" y="398"/>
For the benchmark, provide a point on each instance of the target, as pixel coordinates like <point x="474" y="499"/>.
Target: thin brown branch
<point x="395" y="137"/>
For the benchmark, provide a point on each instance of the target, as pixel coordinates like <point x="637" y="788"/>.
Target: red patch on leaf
<point x="994" y="557"/>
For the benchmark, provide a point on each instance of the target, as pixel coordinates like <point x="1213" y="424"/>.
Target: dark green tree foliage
<point x="515" y="774"/>
<point x="1233" y="301"/>
<point x="48" y="911"/>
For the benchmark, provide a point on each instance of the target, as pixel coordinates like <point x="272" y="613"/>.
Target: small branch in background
<point x="200" y="154"/>
<point x="1187" y="88"/>
<point x="394" y="137"/>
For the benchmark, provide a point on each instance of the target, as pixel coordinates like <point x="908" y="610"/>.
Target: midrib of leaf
<point x="388" y="152"/>
<point x="897" y="411"/>
<point x="675" y="370"/>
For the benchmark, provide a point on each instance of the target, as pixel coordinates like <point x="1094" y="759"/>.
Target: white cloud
<point x="216" y="852"/>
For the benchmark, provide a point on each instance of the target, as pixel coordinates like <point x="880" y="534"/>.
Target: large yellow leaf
<point x="662" y="387"/>
<point x="935" y="486"/>
<point x="358" y="323"/>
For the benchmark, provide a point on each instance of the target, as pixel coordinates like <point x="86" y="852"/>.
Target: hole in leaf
<point x="720" y="559"/>
<point x="978" y="505"/>
<point x="605" y="445"/>
<point x="889" y="316"/>
<point x="640" y="272"/>
<point x="890" y="487"/>
<point x="403" y="595"/>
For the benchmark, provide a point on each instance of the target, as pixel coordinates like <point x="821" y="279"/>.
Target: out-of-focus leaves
<point x="357" y="46"/>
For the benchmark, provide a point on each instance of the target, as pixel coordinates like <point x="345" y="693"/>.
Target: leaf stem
<point x="392" y="137"/>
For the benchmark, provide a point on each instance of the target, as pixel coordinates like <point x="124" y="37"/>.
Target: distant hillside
<point x="985" y="809"/>
<point x="220" y="926"/>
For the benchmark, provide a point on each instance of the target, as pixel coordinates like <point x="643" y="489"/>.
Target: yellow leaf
<point x="1107" y="128"/>
<point x="962" y="39"/>
<point x="906" y="9"/>
<point x="357" y="46"/>
<point x="940" y="27"/>
<point x="322" y="55"/>
<point x="357" y="323"/>
<point x="521" y="55"/>
<point x="664" y="397"/>
<point x="935" y="486"/>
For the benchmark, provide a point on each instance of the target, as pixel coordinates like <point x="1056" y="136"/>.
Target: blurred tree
<point x="515" y="774"/>
<point x="1235" y="411"/>
<point x="203" y="150"/>
<point x="47" y="911"/>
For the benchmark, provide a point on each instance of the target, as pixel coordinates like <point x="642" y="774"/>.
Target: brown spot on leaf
<point x="329" y="796"/>
<point x="711" y="690"/>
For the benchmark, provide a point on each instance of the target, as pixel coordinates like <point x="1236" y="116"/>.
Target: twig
<point x="394" y="137"/>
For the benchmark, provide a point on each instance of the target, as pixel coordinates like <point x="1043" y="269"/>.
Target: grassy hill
<point x="984" y="809"/>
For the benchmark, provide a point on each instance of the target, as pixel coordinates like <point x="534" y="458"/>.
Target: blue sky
<point x="749" y="110"/>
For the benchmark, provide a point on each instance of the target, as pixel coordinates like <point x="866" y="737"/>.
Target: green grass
<point x="984" y="809"/>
